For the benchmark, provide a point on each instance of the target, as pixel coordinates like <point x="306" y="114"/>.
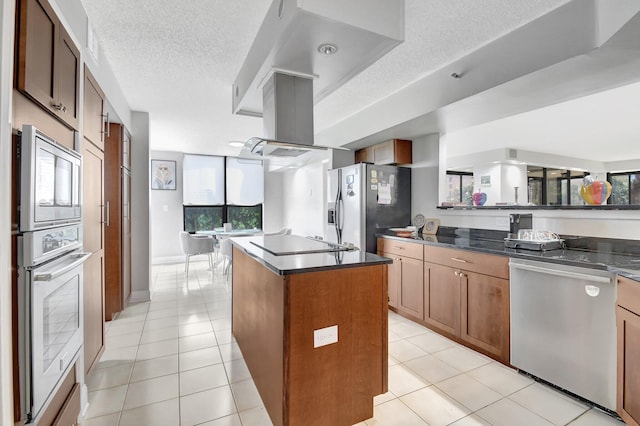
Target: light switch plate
<point x="325" y="336"/>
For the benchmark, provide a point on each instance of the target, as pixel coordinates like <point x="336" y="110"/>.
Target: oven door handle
<point x="50" y="276"/>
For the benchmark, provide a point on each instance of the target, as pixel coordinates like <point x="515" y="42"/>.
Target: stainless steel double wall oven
<point x="50" y="261"/>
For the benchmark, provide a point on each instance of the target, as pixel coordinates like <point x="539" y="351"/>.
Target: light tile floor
<point x="173" y="361"/>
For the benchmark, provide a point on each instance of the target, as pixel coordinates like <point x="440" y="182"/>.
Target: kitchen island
<point x="312" y="327"/>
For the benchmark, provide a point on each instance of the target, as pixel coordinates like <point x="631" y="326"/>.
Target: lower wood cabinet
<point x="484" y="306"/>
<point x="628" y="322"/>
<point x="461" y="294"/>
<point x="411" y="294"/>
<point x="442" y="298"/>
<point x="393" y="278"/>
<point x="405" y="280"/>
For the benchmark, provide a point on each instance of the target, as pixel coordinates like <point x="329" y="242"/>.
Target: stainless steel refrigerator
<point x="364" y="199"/>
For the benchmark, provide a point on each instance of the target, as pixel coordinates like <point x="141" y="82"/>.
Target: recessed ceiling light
<point x="236" y="143"/>
<point x="327" y="48"/>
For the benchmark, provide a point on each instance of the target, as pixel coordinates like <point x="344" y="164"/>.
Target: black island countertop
<point x="307" y="261"/>
<point x="615" y="255"/>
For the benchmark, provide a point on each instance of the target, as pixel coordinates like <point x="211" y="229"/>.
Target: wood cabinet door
<point x="38" y="26"/>
<point x="383" y="153"/>
<point x="68" y="79"/>
<point x="485" y="313"/>
<point x="93" y="109"/>
<point x="93" y="235"/>
<point x="113" y="225"/>
<point x="48" y="61"/>
<point x="411" y="297"/>
<point x="393" y="278"/>
<point x="442" y="297"/>
<point x="628" y="400"/>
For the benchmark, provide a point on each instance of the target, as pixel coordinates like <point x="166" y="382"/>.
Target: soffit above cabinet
<point x="362" y="30"/>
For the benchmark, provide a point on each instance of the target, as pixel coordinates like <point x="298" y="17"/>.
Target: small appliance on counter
<point x="531" y="239"/>
<point x="520" y="221"/>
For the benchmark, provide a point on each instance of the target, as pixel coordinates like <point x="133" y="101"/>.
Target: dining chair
<point x="283" y="231"/>
<point x="226" y="253"/>
<point x="193" y="245"/>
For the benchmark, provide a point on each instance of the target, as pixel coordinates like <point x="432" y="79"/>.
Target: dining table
<point x="220" y="234"/>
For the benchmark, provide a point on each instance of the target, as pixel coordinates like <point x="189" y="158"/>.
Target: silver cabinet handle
<point x="106" y="125"/>
<point x="560" y="273"/>
<point x="108" y="212"/>
<point x="59" y="107"/>
<point x="459" y="260"/>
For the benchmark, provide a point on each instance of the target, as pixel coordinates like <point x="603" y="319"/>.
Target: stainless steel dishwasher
<point x="563" y="327"/>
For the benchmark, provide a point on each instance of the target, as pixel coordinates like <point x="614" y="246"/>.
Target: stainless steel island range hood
<point x="303" y="51"/>
<point x="287" y="119"/>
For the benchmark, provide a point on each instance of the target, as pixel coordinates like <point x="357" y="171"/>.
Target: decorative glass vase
<point x="595" y="192"/>
<point x="479" y="198"/>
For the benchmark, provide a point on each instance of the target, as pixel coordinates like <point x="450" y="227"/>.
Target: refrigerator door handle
<point x="339" y="221"/>
<point x="341" y="218"/>
<point x="338" y="209"/>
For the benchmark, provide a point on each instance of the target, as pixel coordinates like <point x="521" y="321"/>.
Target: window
<point x="625" y="187"/>
<point x="554" y="187"/>
<point x="459" y="187"/>
<point x="202" y="218"/>
<point x="217" y="190"/>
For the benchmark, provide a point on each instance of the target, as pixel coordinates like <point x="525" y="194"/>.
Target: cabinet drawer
<point x="400" y="248"/>
<point x="488" y="264"/>
<point x="629" y="294"/>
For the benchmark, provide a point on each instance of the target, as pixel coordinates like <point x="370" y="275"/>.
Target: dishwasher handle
<point x="560" y="273"/>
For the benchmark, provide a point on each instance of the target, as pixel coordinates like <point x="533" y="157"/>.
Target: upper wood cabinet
<point x="628" y="321"/>
<point x="48" y="62"/>
<point x="395" y="151"/>
<point x="93" y="120"/>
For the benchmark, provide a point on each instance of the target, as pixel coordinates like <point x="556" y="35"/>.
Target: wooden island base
<point x="274" y="318"/>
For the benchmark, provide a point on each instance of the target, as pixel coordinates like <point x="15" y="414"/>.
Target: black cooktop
<point x="284" y="245"/>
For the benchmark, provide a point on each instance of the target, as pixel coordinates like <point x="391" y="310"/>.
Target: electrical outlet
<point x="165" y="208"/>
<point x="325" y="336"/>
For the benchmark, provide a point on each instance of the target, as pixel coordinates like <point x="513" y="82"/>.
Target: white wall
<point x="424" y="176"/>
<point x="272" y="213"/>
<point x="140" y="233"/>
<point x="7" y="19"/>
<point x="166" y="216"/>
<point x="304" y="199"/>
<point x="606" y="224"/>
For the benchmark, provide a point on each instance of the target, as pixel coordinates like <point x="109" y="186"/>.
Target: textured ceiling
<point x="178" y="59"/>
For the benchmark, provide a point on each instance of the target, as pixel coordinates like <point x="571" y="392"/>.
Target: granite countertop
<point x="306" y="262"/>
<point x="618" y="256"/>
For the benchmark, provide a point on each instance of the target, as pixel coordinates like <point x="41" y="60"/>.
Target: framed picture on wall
<point x="163" y="174"/>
